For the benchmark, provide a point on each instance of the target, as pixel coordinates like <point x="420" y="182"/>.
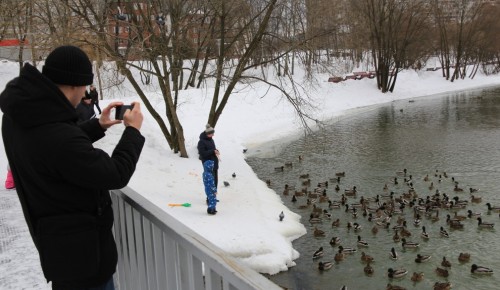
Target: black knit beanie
<point x="68" y="65"/>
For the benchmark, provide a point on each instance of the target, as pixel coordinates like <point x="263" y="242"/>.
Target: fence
<point x="155" y="251"/>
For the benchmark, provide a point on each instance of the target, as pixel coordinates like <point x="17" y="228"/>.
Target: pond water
<point x="457" y="134"/>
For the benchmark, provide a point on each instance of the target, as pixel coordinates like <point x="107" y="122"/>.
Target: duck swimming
<point x="362" y="243"/>
<point x="323" y="266"/>
<point x="366" y="258"/>
<point x="445" y="263"/>
<point x="339" y="256"/>
<point x="398" y="273"/>
<point x="393" y="254"/>
<point x="442" y="272"/>
<point x="347" y="250"/>
<point x="368" y="269"/>
<point x="424" y="234"/>
<point x="442" y="286"/>
<point x="417" y="277"/>
<point x="492" y="208"/>
<point x="484" y="225"/>
<point x="394" y="287"/>
<point x="318" y="253"/>
<point x="475" y="269"/>
<point x="409" y="244"/>
<point x="422" y="258"/>
<point x="444" y="233"/>
<point x="464" y="257"/>
<point x="335" y="241"/>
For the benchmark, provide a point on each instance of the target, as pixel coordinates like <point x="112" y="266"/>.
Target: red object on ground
<point x="9" y="182"/>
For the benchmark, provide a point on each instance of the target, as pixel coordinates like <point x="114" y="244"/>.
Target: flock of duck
<point x="388" y="211"/>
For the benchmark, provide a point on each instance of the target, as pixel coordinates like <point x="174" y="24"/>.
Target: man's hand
<point x="133" y="117"/>
<point x="105" y="120"/>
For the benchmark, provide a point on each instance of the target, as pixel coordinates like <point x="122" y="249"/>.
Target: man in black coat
<point x="62" y="181"/>
<point x="94" y="96"/>
<point x="85" y="110"/>
<point x="208" y="151"/>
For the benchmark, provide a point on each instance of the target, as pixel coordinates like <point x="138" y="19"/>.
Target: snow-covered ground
<point x="246" y="225"/>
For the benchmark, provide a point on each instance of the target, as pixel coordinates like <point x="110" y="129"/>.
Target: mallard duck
<point x="318" y="232"/>
<point x="279" y="168"/>
<point x="472" y="214"/>
<point x="374" y="229"/>
<point x="356" y="227"/>
<point x="314" y="219"/>
<point x="443" y="233"/>
<point x="341" y="174"/>
<point x="458" y="188"/>
<point x="396" y="238"/>
<point x="394" y="287"/>
<point x="484" y="225"/>
<point x="323" y="266"/>
<point x="398" y="273"/>
<point x="339" y="256"/>
<point x="362" y="243"/>
<point x="472" y="190"/>
<point x="393" y="254"/>
<point x="333" y="205"/>
<point x="366" y="258"/>
<point x="475" y="269"/>
<point x="409" y="244"/>
<point x="442" y="272"/>
<point x="326" y="214"/>
<point x="347" y="250"/>
<point x="459" y="217"/>
<point x="492" y="208"/>
<point x="318" y="253"/>
<point x="294" y="198"/>
<point x="475" y="199"/>
<point x="464" y="257"/>
<point x="336" y="223"/>
<point x="424" y="234"/>
<point x="422" y="258"/>
<point x="442" y="286"/>
<point x="337" y="187"/>
<point x="334" y="241"/>
<point x="368" y="269"/>
<point x="305" y="175"/>
<point x="350" y="192"/>
<point x="445" y="263"/>
<point x="417" y="277"/>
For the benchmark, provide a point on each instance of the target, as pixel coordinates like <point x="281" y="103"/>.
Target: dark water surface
<point x="458" y="133"/>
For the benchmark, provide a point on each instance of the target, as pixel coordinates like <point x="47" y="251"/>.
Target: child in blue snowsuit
<point x="210" y="189"/>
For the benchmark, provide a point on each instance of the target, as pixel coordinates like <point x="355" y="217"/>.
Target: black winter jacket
<point x="85" y="112"/>
<point x="63" y="181"/>
<point x="206" y="149"/>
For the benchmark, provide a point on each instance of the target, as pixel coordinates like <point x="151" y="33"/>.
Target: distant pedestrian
<point x="210" y="188"/>
<point x="85" y="110"/>
<point x="208" y="151"/>
<point x="94" y="96"/>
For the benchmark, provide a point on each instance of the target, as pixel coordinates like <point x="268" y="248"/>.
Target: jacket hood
<point x="31" y="99"/>
<point x="208" y="165"/>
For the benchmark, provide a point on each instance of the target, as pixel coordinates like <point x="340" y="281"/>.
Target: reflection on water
<point x="458" y="134"/>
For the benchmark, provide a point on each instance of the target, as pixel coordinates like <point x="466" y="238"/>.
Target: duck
<point x="318" y="232"/>
<point x="459" y="217"/>
<point x="366" y="258"/>
<point x="336" y="223"/>
<point x="318" y="253"/>
<point x="294" y="198"/>
<point x="341" y="174"/>
<point x="333" y="205"/>
<point x="443" y="233"/>
<point x="350" y="191"/>
<point x="424" y="234"/>
<point x="422" y="258"/>
<point x="323" y="266"/>
<point x="339" y="256"/>
<point x="471" y="214"/>
<point x="409" y="244"/>
<point x="464" y="257"/>
<point x="475" y="199"/>
<point x="394" y="287"/>
<point x="398" y="273"/>
<point x="442" y="286"/>
<point x="374" y="229"/>
<point x="442" y="272"/>
<point x="492" y="208"/>
<point x="347" y="250"/>
<point x="314" y="219"/>
<point x="279" y="168"/>
<point x="472" y="190"/>
<point x="458" y="188"/>
<point x="417" y="277"/>
<point x="326" y="214"/>
<point x="356" y="227"/>
<point x="484" y="225"/>
<point x="362" y="243"/>
<point x="445" y="263"/>
<point x="396" y="238"/>
<point x="393" y="254"/>
<point x="475" y="269"/>
<point x="368" y="269"/>
<point x="334" y="241"/>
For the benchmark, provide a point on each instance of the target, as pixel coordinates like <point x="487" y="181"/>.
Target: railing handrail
<point x="142" y="228"/>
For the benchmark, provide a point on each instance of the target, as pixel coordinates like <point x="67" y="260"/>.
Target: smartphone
<point x="120" y="110"/>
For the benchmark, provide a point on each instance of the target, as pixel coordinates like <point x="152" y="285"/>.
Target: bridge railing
<point x="157" y="252"/>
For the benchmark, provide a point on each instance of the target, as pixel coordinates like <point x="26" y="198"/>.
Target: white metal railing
<point x="157" y="252"/>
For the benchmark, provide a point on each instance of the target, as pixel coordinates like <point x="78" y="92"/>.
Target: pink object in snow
<point x="9" y="182"/>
